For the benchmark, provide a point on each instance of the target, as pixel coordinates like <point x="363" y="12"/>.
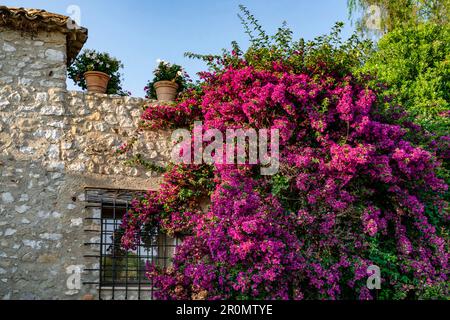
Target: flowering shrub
<point x="353" y="189"/>
<point x="166" y="72"/>
<point x="91" y="60"/>
<point x="413" y="64"/>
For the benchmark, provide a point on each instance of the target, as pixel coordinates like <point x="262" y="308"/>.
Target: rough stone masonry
<point x="54" y="144"/>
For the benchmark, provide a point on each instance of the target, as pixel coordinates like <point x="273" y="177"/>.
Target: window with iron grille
<point x="122" y="274"/>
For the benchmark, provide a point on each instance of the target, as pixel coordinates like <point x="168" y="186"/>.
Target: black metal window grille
<point x="122" y="274"/>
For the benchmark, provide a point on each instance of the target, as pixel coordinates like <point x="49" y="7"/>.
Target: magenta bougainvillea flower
<point x="353" y="190"/>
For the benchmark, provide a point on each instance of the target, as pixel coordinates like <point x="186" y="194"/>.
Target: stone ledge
<point x="109" y="96"/>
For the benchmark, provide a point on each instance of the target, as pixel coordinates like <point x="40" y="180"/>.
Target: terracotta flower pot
<point x="96" y="81"/>
<point x="166" y="90"/>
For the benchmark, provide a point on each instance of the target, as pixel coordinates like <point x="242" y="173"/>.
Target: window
<point x="122" y="274"/>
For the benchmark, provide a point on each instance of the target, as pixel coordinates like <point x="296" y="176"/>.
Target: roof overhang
<point x="33" y="21"/>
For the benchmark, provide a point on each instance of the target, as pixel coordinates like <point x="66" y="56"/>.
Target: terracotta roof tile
<point x="32" y="21"/>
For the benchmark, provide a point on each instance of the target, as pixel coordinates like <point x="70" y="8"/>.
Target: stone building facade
<point x="57" y="161"/>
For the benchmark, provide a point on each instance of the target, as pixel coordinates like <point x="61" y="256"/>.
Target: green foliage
<point x="123" y="267"/>
<point x="91" y="60"/>
<point x="399" y="13"/>
<point x="331" y="50"/>
<point x="311" y="57"/>
<point x="280" y="185"/>
<point x="248" y="22"/>
<point x="436" y="292"/>
<point x="185" y="194"/>
<point x="167" y="72"/>
<point x="139" y="160"/>
<point x="415" y="65"/>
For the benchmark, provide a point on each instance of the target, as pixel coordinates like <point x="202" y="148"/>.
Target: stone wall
<point x="48" y="157"/>
<point x="37" y="61"/>
<point x="54" y="144"/>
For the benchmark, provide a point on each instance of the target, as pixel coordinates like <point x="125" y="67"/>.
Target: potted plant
<point x="168" y="81"/>
<point x="97" y="72"/>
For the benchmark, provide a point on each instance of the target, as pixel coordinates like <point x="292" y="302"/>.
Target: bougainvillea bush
<point x="353" y="189"/>
<point x="413" y="63"/>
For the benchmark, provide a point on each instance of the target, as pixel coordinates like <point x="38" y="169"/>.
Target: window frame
<point x="112" y="204"/>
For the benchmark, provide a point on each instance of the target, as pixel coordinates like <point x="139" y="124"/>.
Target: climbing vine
<point x="353" y="188"/>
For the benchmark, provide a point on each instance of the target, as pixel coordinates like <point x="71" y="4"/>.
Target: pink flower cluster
<point x="357" y="192"/>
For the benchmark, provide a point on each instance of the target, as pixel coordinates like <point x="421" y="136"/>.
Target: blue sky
<point x="138" y="32"/>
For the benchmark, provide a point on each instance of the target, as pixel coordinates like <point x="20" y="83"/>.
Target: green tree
<point x="381" y="16"/>
<point x="414" y="62"/>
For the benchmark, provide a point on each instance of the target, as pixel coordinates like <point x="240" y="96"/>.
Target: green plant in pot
<point x="168" y="81"/>
<point x="97" y="72"/>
